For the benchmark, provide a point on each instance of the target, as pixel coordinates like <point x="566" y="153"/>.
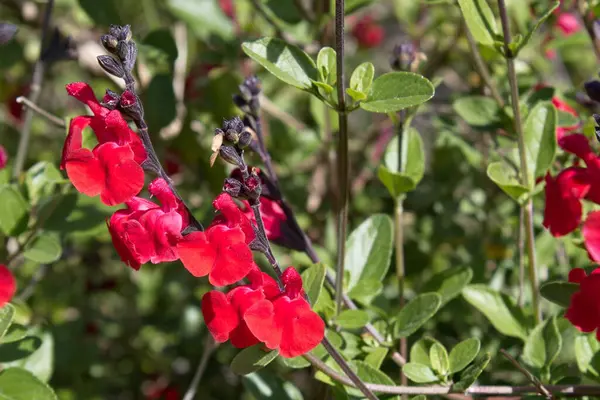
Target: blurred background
<point x="112" y="333"/>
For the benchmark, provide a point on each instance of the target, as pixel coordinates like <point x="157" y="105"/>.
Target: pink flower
<point x="8" y="285"/>
<point x="568" y="23"/>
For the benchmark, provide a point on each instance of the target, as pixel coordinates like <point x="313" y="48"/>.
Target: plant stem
<point x="34" y="95"/>
<point x="342" y="154"/>
<point x="209" y="348"/>
<point x="257" y="4"/>
<point x="528" y="207"/>
<point x="582" y="8"/>
<point x="541" y="389"/>
<point x="49" y="116"/>
<point x="399" y="236"/>
<point x="482" y="69"/>
<point x="521" y="241"/>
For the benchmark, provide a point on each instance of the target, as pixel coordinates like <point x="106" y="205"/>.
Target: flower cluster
<point x="261" y="313"/>
<point x="8" y="285"/>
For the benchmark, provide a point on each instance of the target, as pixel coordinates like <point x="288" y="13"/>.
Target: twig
<point x="259" y="7"/>
<point x="521" y="242"/>
<point x="589" y="26"/>
<point x="342" y="155"/>
<point x="399" y="237"/>
<point x="34" y="95"/>
<point x="542" y="390"/>
<point x="528" y="207"/>
<point x="209" y="347"/>
<point x="49" y="116"/>
<point x="482" y="69"/>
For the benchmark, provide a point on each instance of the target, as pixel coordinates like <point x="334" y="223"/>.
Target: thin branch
<point x="482" y="69"/>
<point x="399" y="236"/>
<point x="573" y="390"/>
<point x="521" y="242"/>
<point x="209" y="348"/>
<point x="34" y="95"/>
<point x="259" y="8"/>
<point x="542" y="390"/>
<point x="342" y="154"/>
<point x="49" y="116"/>
<point x="582" y="7"/>
<point x="528" y="207"/>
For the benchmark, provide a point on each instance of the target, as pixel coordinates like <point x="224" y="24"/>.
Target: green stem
<point x="528" y="206"/>
<point x="399" y="235"/>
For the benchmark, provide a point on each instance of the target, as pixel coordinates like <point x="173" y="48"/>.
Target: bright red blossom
<point x="568" y="23"/>
<point x="113" y="168"/>
<point x="584" y="309"/>
<point x="272" y="214"/>
<point x="367" y="32"/>
<point x="259" y="312"/>
<point x="8" y="285"/>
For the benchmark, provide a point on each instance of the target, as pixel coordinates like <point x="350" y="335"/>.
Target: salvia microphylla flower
<point x="584" y="309"/>
<point x="261" y="313"/>
<point x="8" y="285"/>
<point x="568" y="23"/>
<point x="367" y="32"/>
<point x="148" y="232"/>
<point x="113" y="168"/>
<point x="563" y="211"/>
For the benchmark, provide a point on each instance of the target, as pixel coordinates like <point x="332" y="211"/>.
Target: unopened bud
<point x="112" y="66"/>
<point x="253" y="187"/>
<point x="121" y="33"/>
<point x="110" y="100"/>
<point x="127" y="52"/>
<point x="592" y="88"/>
<point x="7" y="32"/>
<point x="233" y="187"/>
<point x="130" y="106"/>
<point x="597" y="127"/>
<point x="245" y="139"/>
<point x="231" y="136"/>
<point x="234" y="124"/>
<point x="110" y="43"/>
<point x="230" y="154"/>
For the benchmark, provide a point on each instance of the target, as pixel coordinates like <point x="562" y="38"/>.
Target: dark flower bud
<point x="127" y="52"/>
<point x="597" y="127"/>
<point x="112" y="66"/>
<point x="241" y="103"/>
<point x="244" y="139"/>
<point x="110" y="100"/>
<point x="230" y="154"/>
<point x="592" y="88"/>
<point x="596" y="28"/>
<point x="403" y="57"/>
<point x="7" y="32"/>
<point x="130" y="106"/>
<point x="234" y="124"/>
<point x="122" y="33"/>
<point x="253" y="187"/>
<point x="231" y="136"/>
<point x="110" y="43"/>
<point x="251" y="87"/>
<point x="59" y="48"/>
<point x="232" y="187"/>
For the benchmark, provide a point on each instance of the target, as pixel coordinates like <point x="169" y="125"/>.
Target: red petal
<point x="562" y="213"/>
<point x="577" y="144"/>
<point x="219" y="315"/>
<point x="292" y="282"/>
<point x="233" y="263"/>
<point x="591" y="235"/>
<point x="8" y="285"/>
<point x="241" y="337"/>
<point x="166" y="233"/>
<point x="161" y="190"/>
<point x="84" y="93"/>
<point x="577" y="275"/>
<point x="260" y="319"/>
<point x="74" y="137"/>
<point x="85" y="172"/>
<point x="581" y="314"/>
<point x="124" y="177"/>
<point x="196" y="254"/>
<point x="303" y="329"/>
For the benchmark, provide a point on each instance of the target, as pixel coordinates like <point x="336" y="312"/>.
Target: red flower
<point x="562" y="214"/>
<point x="232" y="217"/>
<point x="368" y="33"/>
<point x="259" y="312"/>
<point x="227" y="7"/>
<point x="560" y="105"/>
<point x="584" y="310"/>
<point x="3" y="157"/>
<point x="273" y="216"/>
<point x="8" y="285"/>
<point x="591" y="235"/>
<point x="112" y="169"/>
<point x="145" y="231"/>
<point x="568" y="24"/>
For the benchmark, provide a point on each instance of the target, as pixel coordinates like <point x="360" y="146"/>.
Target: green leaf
<point x="313" y="279"/>
<point x="44" y="249"/>
<point x="41" y="361"/>
<point x="405" y="179"/>
<point x="287" y="62"/>
<point x="540" y="140"/>
<point x="102" y="13"/>
<point x="251" y="359"/>
<point x="263" y="386"/>
<point x="362" y="79"/>
<point x="470" y="375"/>
<point x="285" y="10"/>
<point x="416" y="313"/>
<point x="449" y="283"/>
<point x="477" y="111"/>
<point x="543" y="344"/>
<point x="368" y="374"/>
<point x="352" y="319"/>
<point x="523" y="42"/>
<point x="559" y="292"/>
<point x="160" y="102"/>
<point x="356" y="95"/>
<point x="326" y="64"/>
<point x="463" y="353"/>
<point x="566" y="119"/>
<point x="439" y="359"/>
<point x="586" y="346"/>
<point x="161" y="47"/>
<point x="15" y="332"/>
<point x="419" y="352"/>
<point x="41" y="179"/>
<point x="506" y="179"/>
<point x="203" y="17"/>
<point x="498" y="309"/>
<point x="366" y="290"/>
<point x="419" y="373"/>
<point x="395" y="91"/>
<point x="369" y="250"/>
<point x="14" y="213"/>
<point x="376" y="357"/>
<point x="19" y="384"/>
<point x="19" y="349"/>
<point x="7" y="313"/>
<point x="480" y="20"/>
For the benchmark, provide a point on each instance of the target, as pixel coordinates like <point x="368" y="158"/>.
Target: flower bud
<point x="110" y="43"/>
<point x="127" y="52"/>
<point x="232" y="187"/>
<point x="403" y="57"/>
<point x="121" y="33"/>
<point x="597" y="127"/>
<point x="231" y="136"/>
<point x="592" y="88"/>
<point x="253" y="187"/>
<point x="112" y="66"/>
<point x="130" y="106"/>
<point x="110" y="100"/>
<point x="230" y="154"/>
<point x="245" y="139"/>
<point x="7" y="32"/>
<point x="234" y="124"/>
